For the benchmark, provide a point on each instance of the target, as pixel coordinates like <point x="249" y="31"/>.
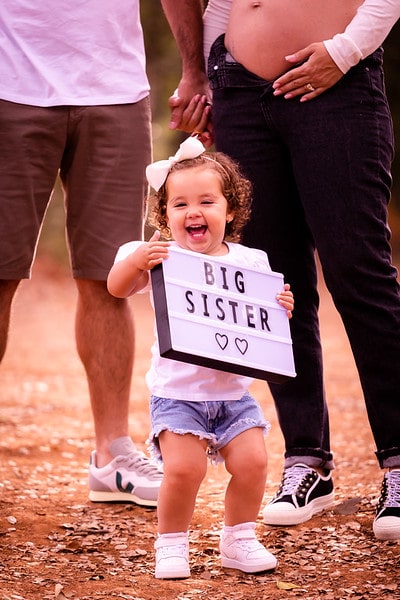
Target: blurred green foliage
<point x="164" y="68"/>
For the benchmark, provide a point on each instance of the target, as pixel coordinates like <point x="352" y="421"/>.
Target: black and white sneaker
<point x="303" y="493"/>
<point x="387" y="521"/>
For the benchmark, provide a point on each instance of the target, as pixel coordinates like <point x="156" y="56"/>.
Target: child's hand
<point x="285" y="299"/>
<point x="151" y="253"/>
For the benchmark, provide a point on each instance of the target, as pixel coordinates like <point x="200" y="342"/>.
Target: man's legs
<point x="30" y="153"/>
<point x="105" y="194"/>
<point x="103" y="175"/>
<point x="117" y="471"/>
<point x="99" y="318"/>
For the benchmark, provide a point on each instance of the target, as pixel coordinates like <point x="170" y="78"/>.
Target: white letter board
<point x="212" y="313"/>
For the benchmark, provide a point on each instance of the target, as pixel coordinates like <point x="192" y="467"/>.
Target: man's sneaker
<point x="241" y="550"/>
<point x="387" y="521"/>
<point x="127" y="478"/>
<point x="303" y="493"/>
<point x="172" y="556"/>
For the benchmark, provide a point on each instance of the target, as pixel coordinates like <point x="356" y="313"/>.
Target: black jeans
<point x="321" y="176"/>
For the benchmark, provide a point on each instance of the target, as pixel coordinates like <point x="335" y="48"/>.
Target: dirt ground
<point x="55" y="544"/>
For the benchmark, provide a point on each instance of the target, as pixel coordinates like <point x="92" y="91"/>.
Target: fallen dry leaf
<point x="283" y="585"/>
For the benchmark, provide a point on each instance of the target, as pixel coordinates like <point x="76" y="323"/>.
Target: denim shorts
<point x="218" y="422"/>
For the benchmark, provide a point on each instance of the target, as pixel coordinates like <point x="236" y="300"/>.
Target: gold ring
<point x="309" y="87"/>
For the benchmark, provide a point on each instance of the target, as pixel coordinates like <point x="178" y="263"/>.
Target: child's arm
<point x="131" y="274"/>
<point x="285" y="299"/>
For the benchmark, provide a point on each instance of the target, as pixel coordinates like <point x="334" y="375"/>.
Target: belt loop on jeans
<point x="216" y="63"/>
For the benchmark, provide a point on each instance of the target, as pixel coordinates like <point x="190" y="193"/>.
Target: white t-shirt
<point x="169" y="378"/>
<point x="76" y="52"/>
<point x="364" y="34"/>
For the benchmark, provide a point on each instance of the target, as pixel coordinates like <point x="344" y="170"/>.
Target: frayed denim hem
<point x="153" y="444"/>
<point x="213" y="445"/>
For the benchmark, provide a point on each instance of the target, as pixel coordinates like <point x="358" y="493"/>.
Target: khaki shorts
<point x="101" y="153"/>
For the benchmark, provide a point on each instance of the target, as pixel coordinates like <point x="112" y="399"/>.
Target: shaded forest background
<point x="164" y="68"/>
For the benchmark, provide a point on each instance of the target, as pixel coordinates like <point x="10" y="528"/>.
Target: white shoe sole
<point x="171" y="574"/>
<point x="386" y="528"/>
<point x="231" y="563"/>
<point x="275" y="514"/>
<point x="96" y="496"/>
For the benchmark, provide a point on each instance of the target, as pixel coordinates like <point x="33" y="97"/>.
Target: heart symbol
<point x="222" y="340"/>
<point x="241" y="345"/>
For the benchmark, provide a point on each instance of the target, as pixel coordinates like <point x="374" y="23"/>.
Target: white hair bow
<point x="157" y="172"/>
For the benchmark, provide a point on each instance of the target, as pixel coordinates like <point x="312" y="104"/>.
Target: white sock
<point x="122" y="446"/>
<point x="172" y="535"/>
<point x="238" y="527"/>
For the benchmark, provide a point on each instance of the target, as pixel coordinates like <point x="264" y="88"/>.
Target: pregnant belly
<point x="261" y="33"/>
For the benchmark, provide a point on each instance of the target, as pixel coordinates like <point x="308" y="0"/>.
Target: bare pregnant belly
<point x="262" y="32"/>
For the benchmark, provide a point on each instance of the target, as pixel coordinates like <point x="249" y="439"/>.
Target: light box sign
<point x="212" y="313"/>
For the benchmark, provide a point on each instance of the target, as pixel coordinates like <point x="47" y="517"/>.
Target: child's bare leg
<point x="246" y="460"/>
<point x="185" y="466"/>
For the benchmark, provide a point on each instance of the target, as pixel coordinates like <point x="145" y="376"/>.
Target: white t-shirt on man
<point x="79" y="52"/>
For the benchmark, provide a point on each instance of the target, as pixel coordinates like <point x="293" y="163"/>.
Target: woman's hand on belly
<point x="316" y="74"/>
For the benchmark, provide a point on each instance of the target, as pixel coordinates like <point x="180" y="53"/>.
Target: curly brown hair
<point x="235" y="187"/>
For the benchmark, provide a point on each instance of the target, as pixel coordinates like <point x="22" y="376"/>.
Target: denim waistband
<point x="224" y="71"/>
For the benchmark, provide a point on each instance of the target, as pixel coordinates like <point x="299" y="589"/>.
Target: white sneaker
<point x="241" y="550"/>
<point x="127" y="478"/>
<point x="172" y="556"/>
